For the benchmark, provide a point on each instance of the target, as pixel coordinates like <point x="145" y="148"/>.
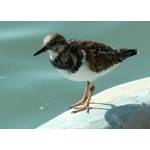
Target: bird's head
<point x="53" y="42"/>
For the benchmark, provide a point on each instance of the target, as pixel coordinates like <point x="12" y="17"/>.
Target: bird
<point x="83" y="60"/>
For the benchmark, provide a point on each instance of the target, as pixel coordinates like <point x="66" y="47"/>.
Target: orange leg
<point x="85" y="96"/>
<point x="85" y="105"/>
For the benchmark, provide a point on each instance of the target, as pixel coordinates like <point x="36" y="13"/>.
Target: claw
<point x="69" y="107"/>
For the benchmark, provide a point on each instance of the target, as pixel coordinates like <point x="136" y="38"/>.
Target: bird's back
<point x="99" y="56"/>
<point x="95" y="48"/>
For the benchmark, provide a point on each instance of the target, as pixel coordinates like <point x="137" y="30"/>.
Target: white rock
<point x="123" y="106"/>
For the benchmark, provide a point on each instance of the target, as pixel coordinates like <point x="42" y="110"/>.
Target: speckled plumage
<point x="82" y="60"/>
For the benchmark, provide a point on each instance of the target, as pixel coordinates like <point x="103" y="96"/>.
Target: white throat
<point x="52" y="55"/>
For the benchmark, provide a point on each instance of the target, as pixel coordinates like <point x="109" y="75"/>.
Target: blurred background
<point x="32" y="92"/>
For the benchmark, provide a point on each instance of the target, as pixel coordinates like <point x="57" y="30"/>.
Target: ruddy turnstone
<point x="82" y="60"/>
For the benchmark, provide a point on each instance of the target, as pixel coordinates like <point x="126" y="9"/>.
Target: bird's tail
<point x="128" y="53"/>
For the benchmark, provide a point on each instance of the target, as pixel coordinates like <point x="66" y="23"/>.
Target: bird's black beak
<point x="44" y="49"/>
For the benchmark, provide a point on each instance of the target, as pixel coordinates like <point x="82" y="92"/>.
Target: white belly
<point x="84" y="73"/>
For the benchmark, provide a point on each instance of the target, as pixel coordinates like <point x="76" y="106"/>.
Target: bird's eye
<point x="53" y="43"/>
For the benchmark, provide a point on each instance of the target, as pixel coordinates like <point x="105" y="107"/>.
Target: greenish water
<point x="33" y="92"/>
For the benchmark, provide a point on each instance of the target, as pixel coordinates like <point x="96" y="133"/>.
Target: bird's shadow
<point x="129" y="116"/>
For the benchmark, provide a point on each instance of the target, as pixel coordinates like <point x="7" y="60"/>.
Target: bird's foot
<point x="83" y="107"/>
<point x="81" y="102"/>
<point x="84" y="103"/>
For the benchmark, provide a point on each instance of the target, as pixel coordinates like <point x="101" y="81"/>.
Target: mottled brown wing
<point x="101" y="57"/>
<point x="103" y="61"/>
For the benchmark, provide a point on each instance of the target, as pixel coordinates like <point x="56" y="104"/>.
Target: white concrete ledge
<point x="123" y="106"/>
